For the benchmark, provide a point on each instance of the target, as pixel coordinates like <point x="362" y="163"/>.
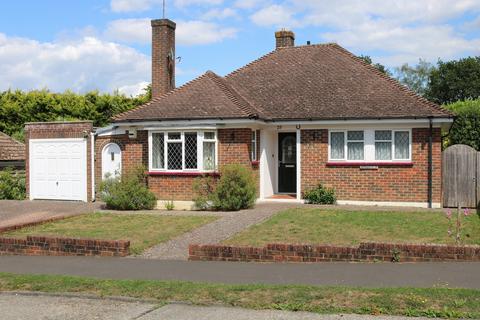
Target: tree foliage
<point x="415" y="77"/>
<point x="455" y="80"/>
<point x="19" y="107"/>
<point x="377" y="65"/>
<point x="466" y="128"/>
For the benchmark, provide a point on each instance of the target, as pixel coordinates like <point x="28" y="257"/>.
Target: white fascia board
<point x="367" y="121"/>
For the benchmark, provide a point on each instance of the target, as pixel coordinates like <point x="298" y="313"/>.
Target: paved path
<point x="14" y="212"/>
<point x="226" y="226"/>
<point x="33" y="306"/>
<point x="452" y="274"/>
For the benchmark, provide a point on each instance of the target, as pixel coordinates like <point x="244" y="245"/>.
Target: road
<point x="453" y="274"/>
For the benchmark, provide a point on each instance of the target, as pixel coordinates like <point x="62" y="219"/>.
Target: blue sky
<point x="105" y="44"/>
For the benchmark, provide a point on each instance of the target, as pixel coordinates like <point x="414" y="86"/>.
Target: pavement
<point x="223" y="228"/>
<point x="13" y="212"/>
<point x="425" y="274"/>
<point x="29" y="306"/>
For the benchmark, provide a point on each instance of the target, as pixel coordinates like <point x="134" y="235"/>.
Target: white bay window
<point x="182" y="151"/>
<point x="370" y="145"/>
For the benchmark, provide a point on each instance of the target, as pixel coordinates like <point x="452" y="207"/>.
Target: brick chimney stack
<point x="163" y="56"/>
<point x="284" y="38"/>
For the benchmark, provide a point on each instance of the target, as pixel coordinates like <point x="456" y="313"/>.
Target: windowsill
<point x="255" y="162"/>
<point x="361" y="164"/>
<point x="184" y="173"/>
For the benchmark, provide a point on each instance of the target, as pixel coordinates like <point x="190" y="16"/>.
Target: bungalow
<point x="298" y="116"/>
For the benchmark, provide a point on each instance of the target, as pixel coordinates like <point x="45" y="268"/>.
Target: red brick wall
<point x="326" y="253"/>
<point x="234" y="146"/>
<point x="58" y="130"/>
<point x="45" y="246"/>
<point x="387" y="183"/>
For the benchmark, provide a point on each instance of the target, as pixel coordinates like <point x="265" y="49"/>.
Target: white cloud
<point x="187" y="33"/>
<point x="219" y="14"/>
<point x="134" y="89"/>
<point x="185" y="3"/>
<point x="143" y="5"/>
<point x="247" y="4"/>
<point x="275" y="15"/>
<point x="85" y="64"/>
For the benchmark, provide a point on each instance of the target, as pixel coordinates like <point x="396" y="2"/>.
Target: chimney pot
<point x="284" y="38"/>
<point x="163" y="56"/>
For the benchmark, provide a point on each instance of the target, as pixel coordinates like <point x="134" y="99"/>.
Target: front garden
<point x="342" y="227"/>
<point x="142" y="230"/>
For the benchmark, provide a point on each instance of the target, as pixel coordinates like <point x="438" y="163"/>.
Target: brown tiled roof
<point x="11" y="149"/>
<point x="318" y="82"/>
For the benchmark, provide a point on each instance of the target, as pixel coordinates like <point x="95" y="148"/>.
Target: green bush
<point x="320" y="195"/>
<point x="204" y="189"/>
<point x="128" y="192"/>
<point x="466" y="128"/>
<point x="235" y="190"/>
<point x="12" y="185"/>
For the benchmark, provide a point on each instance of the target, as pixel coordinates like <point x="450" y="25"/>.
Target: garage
<point x="58" y="169"/>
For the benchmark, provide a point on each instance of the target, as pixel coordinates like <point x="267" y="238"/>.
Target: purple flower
<point x="466" y="211"/>
<point x="448" y="213"/>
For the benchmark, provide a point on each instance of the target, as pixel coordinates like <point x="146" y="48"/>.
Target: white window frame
<point x="369" y="145"/>
<point x="166" y="140"/>
<point x="253" y="154"/>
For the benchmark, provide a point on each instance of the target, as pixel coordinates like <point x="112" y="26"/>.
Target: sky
<point x="104" y="45"/>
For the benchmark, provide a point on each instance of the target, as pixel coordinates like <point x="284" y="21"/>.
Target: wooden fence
<point x="460" y="174"/>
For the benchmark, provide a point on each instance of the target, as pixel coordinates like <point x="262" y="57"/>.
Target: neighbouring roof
<point x="11" y="149"/>
<point x="313" y="82"/>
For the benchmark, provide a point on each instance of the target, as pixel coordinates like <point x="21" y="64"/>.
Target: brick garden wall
<point x="387" y="183"/>
<point x="327" y="253"/>
<point x="59" y="130"/>
<point x="234" y="146"/>
<point x="40" y="246"/>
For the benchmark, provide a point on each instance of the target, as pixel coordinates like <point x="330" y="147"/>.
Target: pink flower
<point x="448" y="213"/>
<point x="466" y="212"/>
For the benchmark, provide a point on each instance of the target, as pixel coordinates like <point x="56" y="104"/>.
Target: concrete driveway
<point x="14" y="212"/>
<point x="33" y="306"/>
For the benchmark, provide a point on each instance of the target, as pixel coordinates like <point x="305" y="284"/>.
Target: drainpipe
<point x="430" y="162"/>
<point x="92" y="161"/>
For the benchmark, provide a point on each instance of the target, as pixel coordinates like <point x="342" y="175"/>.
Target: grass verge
<point x="430" y="302"/>
<point x="316" y="225"/>
<point x="142" y="230"/>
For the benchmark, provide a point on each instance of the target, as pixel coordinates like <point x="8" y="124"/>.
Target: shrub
<point x="204" y="188"/>
<point x="320" y="195"/>
<point x="235" y="190"/>
<point x="12" y="185"/>
<point x="128" y="192"/>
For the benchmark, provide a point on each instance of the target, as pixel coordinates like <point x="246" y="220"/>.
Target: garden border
<point x="366" y="251"/>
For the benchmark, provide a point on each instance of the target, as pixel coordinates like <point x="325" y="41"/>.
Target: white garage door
<point x="58" y="169"/>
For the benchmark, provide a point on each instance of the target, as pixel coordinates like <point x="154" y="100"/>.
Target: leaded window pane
<point x="402" y="145"/>
<point x="174" y="136"/>
<point x="158" y="151"/>
<point x="209" y="155"/>
<point x="174" y="155"/>
<point x="355" y="151"/>
<point x="337" y="145"/>
<point x="383" y="150"/>
<point x="191" y="150"/>
<point x="355" y="135"/>
<point x="383" y="135"/>
<point x="209" y="135"/>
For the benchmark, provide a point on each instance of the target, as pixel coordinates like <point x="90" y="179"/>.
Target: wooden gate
<point x="460" y="173"/>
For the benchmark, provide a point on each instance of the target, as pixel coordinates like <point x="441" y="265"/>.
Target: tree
<point x="415" y="77"/>
<point x="466" y="128"/>
<point x="455" y="80"/>
<point x="379" y="66"/>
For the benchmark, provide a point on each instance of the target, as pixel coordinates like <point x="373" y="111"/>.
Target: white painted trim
<point x="92" y="163"/>
<point x="367" y="121"/>
<point x="435" y="205"/>
<point x="299" y="163"/>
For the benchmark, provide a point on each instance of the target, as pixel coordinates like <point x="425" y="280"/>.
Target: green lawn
<point x="143" y="230"/>
<point x="431" y="302"/>
<point x="321" y="226"/>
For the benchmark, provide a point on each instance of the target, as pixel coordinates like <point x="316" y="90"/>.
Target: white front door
<point x="58" y="169"/>
<point x="111" y="160"/>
